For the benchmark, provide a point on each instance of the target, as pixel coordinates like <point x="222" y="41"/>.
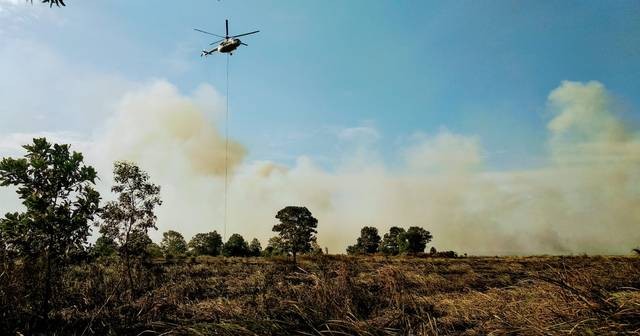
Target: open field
<point x="337" y="295"/>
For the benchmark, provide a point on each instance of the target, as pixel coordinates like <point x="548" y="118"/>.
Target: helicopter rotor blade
<point x="216" y="42"/>
<point x="253" y="32"/>
<point x="244" y="44"/>
<point x="226" y="25"/>
<point x="206" y="32"/>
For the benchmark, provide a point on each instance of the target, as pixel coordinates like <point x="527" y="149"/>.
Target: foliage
<point x="275" y="247"/>
<point x="297" y="229"/>
<point x="367" y="243"/>
<point x="153" y="250"/>
<point x="52" y="2"/>
<point x="236" y="246"/>
<point x="316" y="249"/>
<point x="104" y="247"/>
<point x="57" y="192"/>
<point x="255" y="249"/>
<point x="173" y="243"/>
<point x="128" y="219"/>
<point x="209" y="243"/>
<point x="390" y="244"/>
<point x="414" y="240"/>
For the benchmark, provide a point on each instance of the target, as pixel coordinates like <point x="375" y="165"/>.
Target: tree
<point x="153" y="250"/>
<point x="367" y="243"/>
<point x="390" y="244"/>
<point x="415" y="240"/>
<point x="57" y="192"/>
<point x="316" y="250"/>
<point x="255" y="249"/>
<point x="275" y="247"/>
<point x="209" y="243"/>
<point x="297" y="229"/>
<point x="173" y="243"/>
<point x="236" y="246"/>
<point x="104" y="247"/>
<point x="132" y="214"/>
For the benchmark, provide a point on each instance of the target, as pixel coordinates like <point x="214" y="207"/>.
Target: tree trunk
<point x="128" y="261"/>
<point x="46" y="297"/>
<point x="294" y="258"/>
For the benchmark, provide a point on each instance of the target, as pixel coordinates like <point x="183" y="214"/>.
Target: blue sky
<point x="480" y="68"/>
<point x="512" y="122"/>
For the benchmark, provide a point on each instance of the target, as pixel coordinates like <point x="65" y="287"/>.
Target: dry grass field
<point x="338" y="295"/>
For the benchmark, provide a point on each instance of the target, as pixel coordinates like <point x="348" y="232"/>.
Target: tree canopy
<point x="255" y="249"/>
<point x="390" y="244"/>
<point x="297" y="229"/>
<point x="52" y="2"/>
<point x="128" y="219"/>
<point x="367" y="243"/>
<point x="173" y="243"/>
<point x="236" y="246"/>
<point x="209" y="243"/>
<point x="57" y="191"/>
<point x="415" y="240"/>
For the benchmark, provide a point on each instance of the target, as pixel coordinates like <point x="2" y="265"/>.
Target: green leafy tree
<point x="236" y="246"/>
<point x="104" y="247"/>
<point x="57" y="192"/>
<point x="353" y="250"/>
<point x="153" y="250"/>
<point x="255" y="249"/>
<point x="391" y="242"/>
<point x="128" y="219"/>
<point x="414" y="240"/>
<point x="297" y="229"/>
<point x="367" y="243"/>
<point x="173" y="243"/>
<point x="209" y="243"/>
<point x="275" y="247"/>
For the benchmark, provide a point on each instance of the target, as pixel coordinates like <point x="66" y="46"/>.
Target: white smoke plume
<point x="586" y="199"/>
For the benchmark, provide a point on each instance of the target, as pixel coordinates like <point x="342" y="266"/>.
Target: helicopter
<point x="228" y="43"/>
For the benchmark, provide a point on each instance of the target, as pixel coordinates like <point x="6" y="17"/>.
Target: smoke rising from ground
<point x="586" y="199"/>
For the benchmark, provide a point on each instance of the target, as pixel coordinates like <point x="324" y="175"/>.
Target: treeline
<point x="41" y="243"/>
<point x="397" y="241"/>
<point x="174" y="245"/>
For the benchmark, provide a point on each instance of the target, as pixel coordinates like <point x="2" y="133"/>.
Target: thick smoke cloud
<point x="585" y="199"/>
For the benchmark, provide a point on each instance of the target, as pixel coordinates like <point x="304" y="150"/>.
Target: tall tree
<point x="104" y="247"/>
<point x="414" y="240"/>
<point x="57" y="192"/>
<point x="255" y="249"/>
<point x="275" y="247"/>
<point x="390" y="244"/>
<point x="209" y="243"/>
<point x="367" y="243"/>
<point x="236" y="246"/>
<point x="297" y="229"/>
<point x="173" y="243"/>
<point x="132" y="214"/>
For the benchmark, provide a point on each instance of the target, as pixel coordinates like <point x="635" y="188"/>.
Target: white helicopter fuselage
<point x="229" y="45"/>
<point x="226" y="46"/>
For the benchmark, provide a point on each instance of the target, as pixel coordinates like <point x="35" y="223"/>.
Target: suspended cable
<point x="226" y="158"/>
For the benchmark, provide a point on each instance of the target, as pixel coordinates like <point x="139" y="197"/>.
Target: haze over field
<point x="548" y="164"/>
